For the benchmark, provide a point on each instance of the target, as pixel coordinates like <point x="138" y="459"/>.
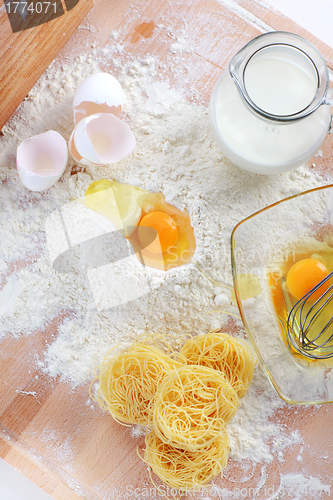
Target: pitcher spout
<point x="236" y="68"/>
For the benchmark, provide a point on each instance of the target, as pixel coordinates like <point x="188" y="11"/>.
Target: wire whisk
<point x="310" y="325"/>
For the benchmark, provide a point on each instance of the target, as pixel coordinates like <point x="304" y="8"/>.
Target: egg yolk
<point x="166" y="228"/>
<point x="305" y="275"/>
<point x="161" y="235"/>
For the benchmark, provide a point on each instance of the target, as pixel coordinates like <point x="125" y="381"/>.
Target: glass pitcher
<point x="270" y="112"/>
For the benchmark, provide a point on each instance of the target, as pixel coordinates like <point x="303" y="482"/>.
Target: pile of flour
<point x="175" y="155"/>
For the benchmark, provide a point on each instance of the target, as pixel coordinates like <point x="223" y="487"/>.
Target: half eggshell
<point x="101" y="139"/>
<point x="41" y="160"/>
<point x="99" y="93"/>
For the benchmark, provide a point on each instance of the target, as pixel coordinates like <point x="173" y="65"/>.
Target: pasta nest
<point x="192" y="406"/>
<point x="223" y="353"/>
<point x="128" y="382"/>
<point x="180" y="468"/>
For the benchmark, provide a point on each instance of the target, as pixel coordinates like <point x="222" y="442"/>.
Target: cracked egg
<point x="161" y="235"/>
<point x="98" y="93"/>
<point x="100" y="137"/>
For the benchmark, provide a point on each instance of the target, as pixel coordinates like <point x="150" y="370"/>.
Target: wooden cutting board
<point x="24" y="55"/>
<point x="49" y="431"/>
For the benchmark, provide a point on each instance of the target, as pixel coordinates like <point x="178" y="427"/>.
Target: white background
<point x="316" y="16"/>
<point x="14" y="486"/>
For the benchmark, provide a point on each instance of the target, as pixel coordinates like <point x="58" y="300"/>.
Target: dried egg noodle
<point x="191" y="407"/>
<point x="128" y="381"/>
<point x="186" y="405"/>
<point x="180" y="468"/>
<point x="221" y="352"/>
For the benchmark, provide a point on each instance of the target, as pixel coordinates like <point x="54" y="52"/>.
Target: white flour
<point x="176" y="155"/>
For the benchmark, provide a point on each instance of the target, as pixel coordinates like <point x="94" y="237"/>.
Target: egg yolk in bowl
<point x="305" y="275"/>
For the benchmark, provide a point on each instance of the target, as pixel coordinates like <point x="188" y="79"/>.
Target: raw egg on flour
<point x="305" y="275"/>
<point x="160" y="234"/>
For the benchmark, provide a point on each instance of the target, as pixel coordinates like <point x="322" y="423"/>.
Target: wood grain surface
<point x="25" y="55"/>
<point x="102" y="457"/>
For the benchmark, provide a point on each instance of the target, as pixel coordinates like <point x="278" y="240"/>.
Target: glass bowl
<point x="264" y="246"/>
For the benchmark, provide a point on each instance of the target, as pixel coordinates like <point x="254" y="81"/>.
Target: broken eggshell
<point x="99" y="93"/>
<point x="100" y="139"/>
<point x="41" y="160"/>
